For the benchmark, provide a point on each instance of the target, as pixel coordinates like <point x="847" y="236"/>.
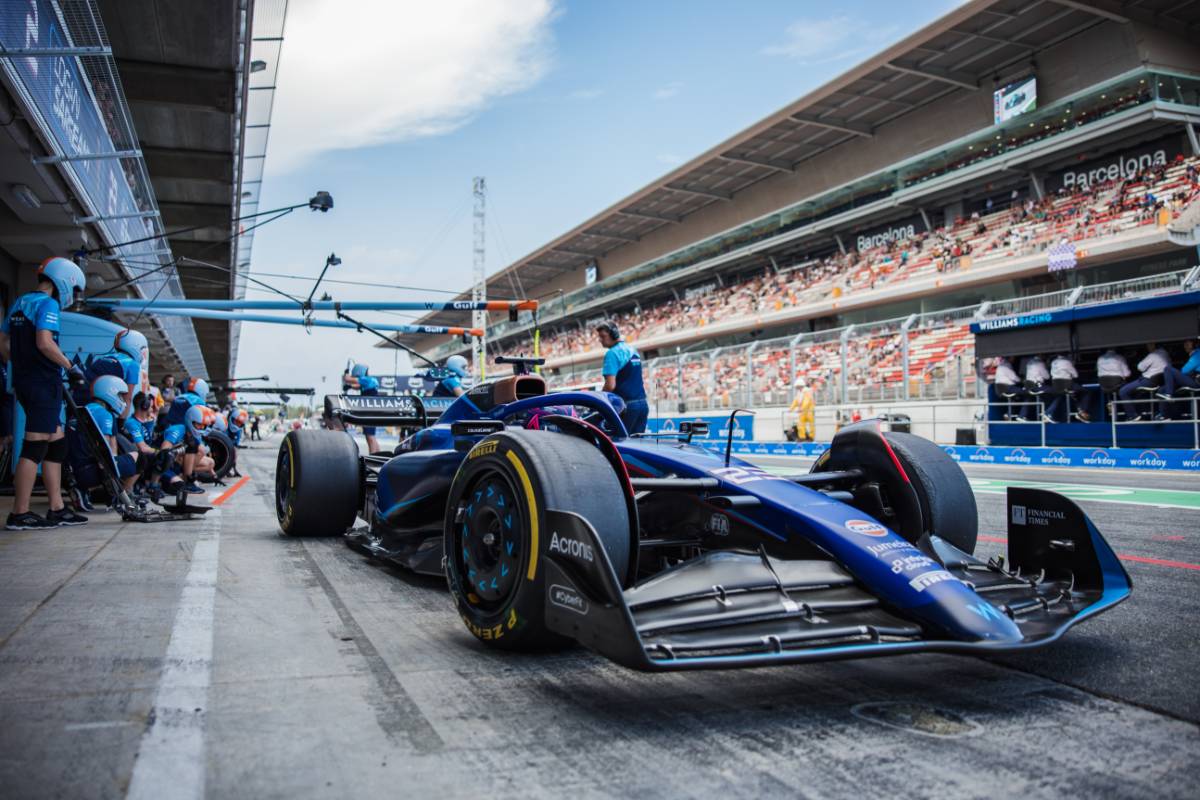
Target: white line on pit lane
<point x="171" y="760"/>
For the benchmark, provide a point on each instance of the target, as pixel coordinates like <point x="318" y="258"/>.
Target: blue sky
<point x="564" y="107"/>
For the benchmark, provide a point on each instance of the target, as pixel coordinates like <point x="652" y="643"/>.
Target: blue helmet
<point x="197" y="386"/>
<point x="132" y="343"/>
<point x="199" y="419"/>
<point x="221" y="423"/>
<point x="360" y="370"/>
<point x="67" y="278"/>
<point x="458" y="365"/>
<point x="108" y="390"/>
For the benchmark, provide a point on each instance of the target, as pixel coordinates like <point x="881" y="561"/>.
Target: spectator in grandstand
<point x="805" y="406"/>
<point x="1151" y="369"/>
<point x="1062" y="368"/>
<point x="622" y="373"/>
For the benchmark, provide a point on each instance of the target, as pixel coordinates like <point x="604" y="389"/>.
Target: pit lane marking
<point x="228" y="493"/>
<point x="171" y="758"/>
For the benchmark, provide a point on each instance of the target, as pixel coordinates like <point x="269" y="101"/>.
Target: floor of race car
<point x="215" y="658"/>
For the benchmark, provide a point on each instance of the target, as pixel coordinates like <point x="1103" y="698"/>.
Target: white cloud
<point x="363" y="72"/>
<point x="670" y="90"/>
<point x="813" y="41"/>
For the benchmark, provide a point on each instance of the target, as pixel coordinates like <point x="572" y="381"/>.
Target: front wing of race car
<point x="728" y="609"/>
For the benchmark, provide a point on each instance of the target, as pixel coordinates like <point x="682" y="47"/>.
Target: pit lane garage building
<point x="994" y="104"/>
<point x="137" y="119"/>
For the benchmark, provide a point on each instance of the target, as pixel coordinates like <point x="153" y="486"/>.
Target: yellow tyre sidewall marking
<point x="534" y="551"/>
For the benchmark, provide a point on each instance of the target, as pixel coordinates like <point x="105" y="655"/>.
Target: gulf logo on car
<point x="866" y="527"/>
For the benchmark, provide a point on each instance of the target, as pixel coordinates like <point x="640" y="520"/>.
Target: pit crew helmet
<point x="240" y="416"/>
<point x="132" y="343"/>
<point x="220" y="423"/>
<point x="458" y="365"/>
<point x="108" y="390"/>
<point x="199" y="419"/>
<point x="67" y="278"/>
<point x="360" y="370"/>
<point x="197" y="386"/>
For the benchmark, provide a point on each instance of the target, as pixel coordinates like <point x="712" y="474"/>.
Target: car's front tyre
<point x="496" y="530"/>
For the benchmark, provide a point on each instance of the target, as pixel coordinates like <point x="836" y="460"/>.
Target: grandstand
<point x="850" y="238"/>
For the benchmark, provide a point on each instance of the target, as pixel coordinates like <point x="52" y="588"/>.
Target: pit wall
<point x="937" y="421"/>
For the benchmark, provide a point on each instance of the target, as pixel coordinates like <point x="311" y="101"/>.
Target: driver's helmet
<point x="458" y="365"/>
<point x="199" y="419"/>
<point x="360" y="370"/>
<point x="535" y="421"/>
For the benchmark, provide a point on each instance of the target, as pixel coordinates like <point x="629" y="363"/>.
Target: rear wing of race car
<point x="381" y="410"/>
<point x="727" y="609"/>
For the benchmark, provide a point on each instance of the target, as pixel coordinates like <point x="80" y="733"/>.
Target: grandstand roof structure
<point x="973" y="47"/>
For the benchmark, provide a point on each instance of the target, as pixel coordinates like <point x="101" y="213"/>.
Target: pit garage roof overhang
<point x="962" y="51"/>
<point x="186" y="70"/>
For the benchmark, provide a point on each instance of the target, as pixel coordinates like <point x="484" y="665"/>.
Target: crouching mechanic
<point x="106" y="408"/>
<point x="138" y="428"/>
<point x="193" y="393"/>
<point x="623" y="376"/>
<point x="29" y="343"/>
<point x="198" y="420"/>
<point x="368" y="386"/>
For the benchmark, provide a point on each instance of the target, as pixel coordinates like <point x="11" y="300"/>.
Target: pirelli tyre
<point x="223" y="452"/>
<point x="496" y="531"/>
<point x="943" y="491"/>
<point x="317" y="483"/>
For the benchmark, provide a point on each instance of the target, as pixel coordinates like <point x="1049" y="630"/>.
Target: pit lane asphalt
<point x="216" y="658"/>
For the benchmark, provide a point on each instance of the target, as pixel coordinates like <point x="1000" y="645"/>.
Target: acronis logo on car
<point x="570" y="547"/>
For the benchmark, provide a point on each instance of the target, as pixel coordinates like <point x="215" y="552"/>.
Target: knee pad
<point x="34" y="451"/>
<point x="56" y="451"/>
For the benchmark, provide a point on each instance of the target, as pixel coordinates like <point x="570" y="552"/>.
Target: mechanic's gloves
<point x="75" y="376"/>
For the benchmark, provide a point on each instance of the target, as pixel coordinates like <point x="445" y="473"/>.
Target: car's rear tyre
<point x="223" y="452"/>
<point x="317" y="483"/>
<point x="947" y="502"/>
<point x="496" y="530"/>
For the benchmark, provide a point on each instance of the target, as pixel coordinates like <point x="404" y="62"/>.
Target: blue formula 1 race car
<point x="551" y="524"/>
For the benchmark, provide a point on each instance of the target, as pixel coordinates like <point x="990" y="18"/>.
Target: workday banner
<point x="1091" y="457"/>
